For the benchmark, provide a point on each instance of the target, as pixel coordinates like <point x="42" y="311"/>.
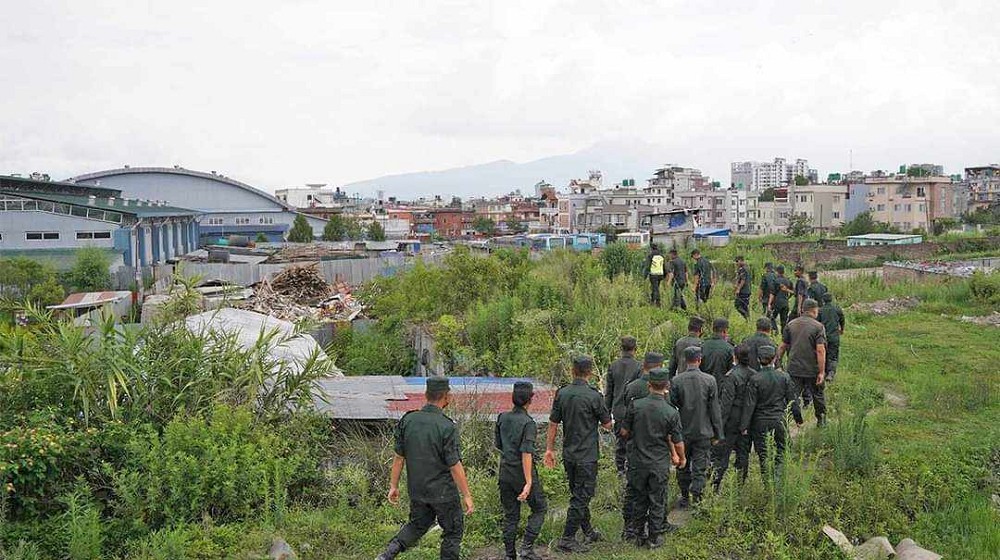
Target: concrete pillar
<point x="168" y="238"/>
<point x="146" y="241"/>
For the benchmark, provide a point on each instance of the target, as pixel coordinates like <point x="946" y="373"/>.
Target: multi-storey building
<point x="824" y="205"/>
<point x="756" y="176"/>
<point x="910" y="203"/>
<point x="714" y="206"/>
<point x="984" y="185"/>
<point x="670" y="179"/>
<point x="767" y="217"/>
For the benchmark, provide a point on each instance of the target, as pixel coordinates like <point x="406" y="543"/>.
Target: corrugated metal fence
<point x="352" y="271"/>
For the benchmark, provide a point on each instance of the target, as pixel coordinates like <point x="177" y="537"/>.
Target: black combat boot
<point x="394" y="548"/>
<point x="510" y="548"/>
<point x="528" y="551"/>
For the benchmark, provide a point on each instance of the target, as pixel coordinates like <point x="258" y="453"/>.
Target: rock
<point x="875" y="548"/>
<point x="679" y="517"/>
<point x="280" y="550"/>
<point x="838" y="539"/>
<point x="909" y="550"/>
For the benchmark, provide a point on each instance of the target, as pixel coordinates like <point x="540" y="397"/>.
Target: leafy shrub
<point x="986" y="288"/>
<point x="618" y="258"/>
<point x="371" y="352"/>
<point x="225" y="467"/>
<point x="90" y="272"/>
<point x="84" y="537"/>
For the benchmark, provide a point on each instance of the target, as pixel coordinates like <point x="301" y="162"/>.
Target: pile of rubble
<point x="879" y="548"/>
<point x="889" y="306"/>
<point x="301" y="293"/>
<point x="993" y="319"/>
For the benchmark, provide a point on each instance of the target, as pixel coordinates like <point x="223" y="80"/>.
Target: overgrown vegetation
<point x="155" y="443"/>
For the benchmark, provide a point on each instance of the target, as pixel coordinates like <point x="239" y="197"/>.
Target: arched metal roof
<point x="184" y="172"/>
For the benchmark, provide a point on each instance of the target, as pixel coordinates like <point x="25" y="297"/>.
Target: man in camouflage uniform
<point x="767" y="287"/>
<point x="427" y="443"/>
<point x="760" y="338"/>
<point x="678" y="279"/>
<point x="832" y="317"/>
<point x="704" y="277"/>
<point x="693" y="338"/>
<point x="779" y="299"/>
<point x="622" y="371"/>
<point x="804" y="340"/>
<point x="717" y="351"/>
<point x="742" y="301"/>
<point x="769" y="392"/>
<point x="732" y="398"/>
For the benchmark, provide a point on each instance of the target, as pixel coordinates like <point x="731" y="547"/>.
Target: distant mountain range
<point x="616" y="161"/>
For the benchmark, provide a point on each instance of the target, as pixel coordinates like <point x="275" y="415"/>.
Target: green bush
<point x="986" y="288"/>
<point x="84" y="536"/>
<point x="224" y="467"/>
<point x="90" y="272"/>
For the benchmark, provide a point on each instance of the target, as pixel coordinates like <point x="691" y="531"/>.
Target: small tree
<point x="354" y="229"/>
<point x="863" y="223"/>
<point x="261" y="237"/>
<point x="801" y="181"/>
<point x="90" y="272"/>
<point x="484" y="225"/>
<point x="376" y="232"/>
<point x="767" y="195"/>
<point x="799" y="226"/>
<point x="610" y="231"/>
<point x="335" y="229"/>
<point x="514" y="225"/>
<point x="301" y="231"/>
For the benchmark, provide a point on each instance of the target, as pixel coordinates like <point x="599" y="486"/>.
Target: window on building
<point x="909" y="208"/>
<point x="895" y="208"/>
<point x="242" y="221"/>
<point x="881" y="190"/>
<point x="93" y="235"/>
<point x="880" y="208"/>
<point x="215" y="221"/>
<point x="41" y="236"/>
<point x="265" y="220"/>
<point x="921" y="191"/>
<point x="922" y="207"/>
<point x="836" y="198"/>
<point x="836" y="215"/>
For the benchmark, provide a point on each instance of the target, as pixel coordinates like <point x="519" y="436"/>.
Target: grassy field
<point x="912" y="448"/>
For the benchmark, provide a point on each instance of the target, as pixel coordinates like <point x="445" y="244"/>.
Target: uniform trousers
<point x="509" y="491"/>
<point x="693" y="477"/>
<point x="582" y="478"/>
<point x="646" y="500"/>
<point x="449" y="516"/>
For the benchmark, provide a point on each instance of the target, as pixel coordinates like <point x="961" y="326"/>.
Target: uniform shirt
<point x="696" y="396"/>
<point x="732" y="396"/>
<point x="622" y="372"/>
<point x="677" y="359"/>
<point x="816" y="290"/>
<point x="514" y="434"/>
<point x="742" y="274"/>
<point x="679" y="269"/>
<point x="716" y="357"/>
<point x="753" y="343"/>
<point x="801" y="289"/>
<point x="636" y="389"/>
<point x="767" y="284"/>
<point x="802" y="334"/>
<point x="781" y="296"/>
<point x="650" y="421"/>
<point x="580" y="408"/>
<point x="832" y="317"/>
<point x="428" y="440"/>
<point x="768" y="393"/>
<point x="703" y="270"/>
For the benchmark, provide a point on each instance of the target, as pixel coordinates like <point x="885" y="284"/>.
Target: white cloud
<point x="287" y="92"/>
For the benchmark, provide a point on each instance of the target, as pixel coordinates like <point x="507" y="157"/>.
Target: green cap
<point x="767" y="351"/>
<point x="438" y="383"/>
<point x="659" y="375"/>
<point x="653" y="358"/>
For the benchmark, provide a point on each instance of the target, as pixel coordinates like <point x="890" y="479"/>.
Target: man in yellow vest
<point x="654" y="270"/>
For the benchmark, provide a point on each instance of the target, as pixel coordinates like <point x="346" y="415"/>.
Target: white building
<point x="668" y="180"/>
<point x="756" y="176"/>
<point x="311" y="196"/>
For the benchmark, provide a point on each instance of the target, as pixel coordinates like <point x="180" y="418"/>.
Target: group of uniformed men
<point x="712" y="400"/>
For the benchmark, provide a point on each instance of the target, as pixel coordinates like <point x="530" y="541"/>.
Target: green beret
<point x="583" y="363"/>
<point x="809" y="303"/>
<point x="767" y="351"/>
<point x="438" y="383"/>
<point x="659" y="375"/>
<point x="653" y="358"/>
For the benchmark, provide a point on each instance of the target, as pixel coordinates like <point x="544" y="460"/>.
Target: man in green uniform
<point x="704" y="277"/>
<point x="678" y="279"/>
<point x="580" y="408"/>
<point x="732" y="398"/>
<point x="693" y="338"/>
<point x="767" y="284"/>
<point x="514" y="436"/>
<point x="653" y="428"/>
<point x="427" y="443"/>
<point x="832" y="317"/>
<point x="622" y="371"/>
<point x="801" y="289"/>
<point x="716" y="351"/>
<point x="760" y="338"/>
<point x="805" y="342"/>
<point x="779" y="299"/>
<point x="742" y="302"/>
<point x="816" y="288"/>
<point x="655" y="269"/>
<point x="769" y="393"/>
<point x="696" y="396"/>
<point x="639" y="387"/>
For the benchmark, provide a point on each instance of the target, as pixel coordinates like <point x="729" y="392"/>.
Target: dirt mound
<point x="889" y="306"/>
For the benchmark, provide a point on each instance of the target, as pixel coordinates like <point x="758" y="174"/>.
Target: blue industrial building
<point x="49" y="218"/>
<point x="227" y="206"/>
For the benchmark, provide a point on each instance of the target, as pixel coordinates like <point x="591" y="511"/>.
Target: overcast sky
<point x="286" y="92"/>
